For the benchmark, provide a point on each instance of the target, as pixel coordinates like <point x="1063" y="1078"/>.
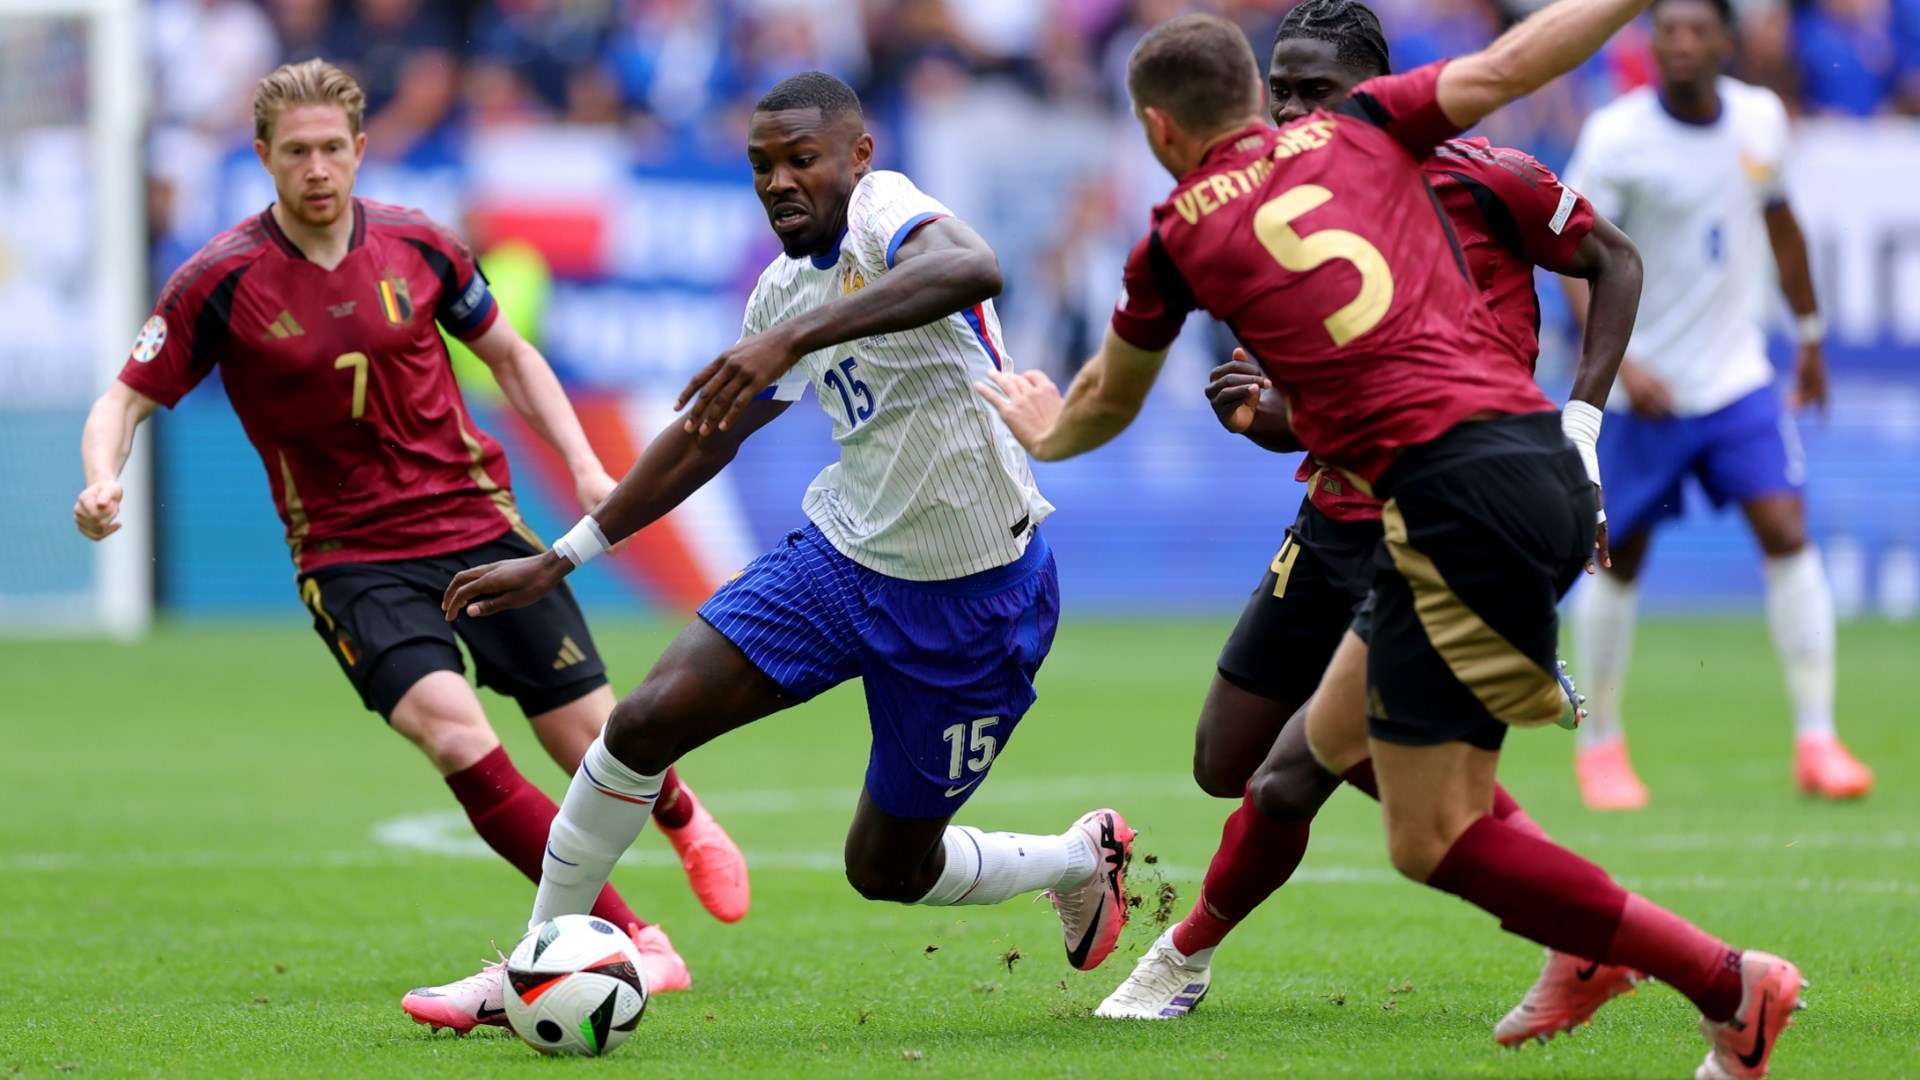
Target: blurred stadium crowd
<point x="678" y="75"/>
<point x="674" y="79"/>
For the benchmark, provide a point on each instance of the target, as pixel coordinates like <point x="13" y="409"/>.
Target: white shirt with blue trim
<point x="930" y="484"/>
<point x="1691" y="196"/>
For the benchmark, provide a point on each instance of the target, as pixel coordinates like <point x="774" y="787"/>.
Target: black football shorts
<point x="1297" y="615"/>
<point x="1485" y="528"/>
<point x="382" y="622"/>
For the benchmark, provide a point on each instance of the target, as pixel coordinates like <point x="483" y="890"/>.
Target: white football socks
<point x="986" y="868"/>
<point x="605" y="808"/>
<point x="1800" y="611"/>
<point x="1603" y="617"/>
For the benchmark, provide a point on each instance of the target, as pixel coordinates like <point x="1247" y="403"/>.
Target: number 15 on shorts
<point x="961" y="738"/>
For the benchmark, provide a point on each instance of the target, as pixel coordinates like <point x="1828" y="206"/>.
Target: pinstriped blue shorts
<point x="948" y="666"/>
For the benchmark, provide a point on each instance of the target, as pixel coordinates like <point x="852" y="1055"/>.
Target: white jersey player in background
<point x="1692" y="170"/>
<point x="921" y="571"/>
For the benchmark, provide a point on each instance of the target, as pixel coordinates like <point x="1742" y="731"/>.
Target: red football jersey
<point x="1510" y="214"/>
<point x="342" y="382"/>
<point x="1320" y="246"/>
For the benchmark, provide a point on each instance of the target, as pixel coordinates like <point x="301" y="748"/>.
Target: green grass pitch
<point x="213" y="863"/>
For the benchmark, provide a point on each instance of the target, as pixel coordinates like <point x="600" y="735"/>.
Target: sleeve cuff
<point x="163" y="396"/>
<point x="905" y="230"/>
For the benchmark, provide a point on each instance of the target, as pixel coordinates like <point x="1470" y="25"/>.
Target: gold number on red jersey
<point x="358" y="362"/>
<point x="1273" y="224"/>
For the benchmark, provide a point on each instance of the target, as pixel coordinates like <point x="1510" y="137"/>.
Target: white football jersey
<point x="1691" y="196"/>
<point x="930" y="484"/>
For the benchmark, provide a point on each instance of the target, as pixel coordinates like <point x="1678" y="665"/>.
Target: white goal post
<point x="73" y="100"/>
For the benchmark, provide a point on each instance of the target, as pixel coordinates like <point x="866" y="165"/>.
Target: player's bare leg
<point x="1436" y="801"/>
<point x="1261" y="844"/>
<point x="716" y="870"/>
<point x="700" y="688"/>
<point x="1603" y="616"/>
<point x="1800" y="613"/>
<point x="1237" y="728"/>
<point x="442" y="716"/>
<point x="1337" y="715"/>
<point x="933" y="862"/>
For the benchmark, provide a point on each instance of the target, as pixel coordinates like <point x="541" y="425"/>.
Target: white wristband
<point x="1811" y="329"/>
<point x="583" y="542"/>
<point x="1581" y="423"/>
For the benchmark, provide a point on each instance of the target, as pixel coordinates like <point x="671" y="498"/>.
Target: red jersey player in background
<point x="1320" y="247"/>
<point x="1510" y="213"/>
<point x="321" y="312"/>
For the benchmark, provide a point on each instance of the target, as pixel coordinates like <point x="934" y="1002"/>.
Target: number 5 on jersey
<point x="1273" y="224"/>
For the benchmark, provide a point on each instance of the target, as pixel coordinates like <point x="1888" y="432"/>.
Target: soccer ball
<point x="574" y="985"/>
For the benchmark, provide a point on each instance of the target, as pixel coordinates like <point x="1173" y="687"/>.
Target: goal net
<point x="72" y="254"/>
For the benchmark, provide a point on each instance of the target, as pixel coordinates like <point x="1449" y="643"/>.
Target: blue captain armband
<point x="468" y="312"/>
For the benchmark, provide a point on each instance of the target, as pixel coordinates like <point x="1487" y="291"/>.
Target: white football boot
<point x="1165" y="985"/>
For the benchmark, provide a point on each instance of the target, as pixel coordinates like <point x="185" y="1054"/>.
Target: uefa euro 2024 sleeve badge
<point x="153" y="334"/>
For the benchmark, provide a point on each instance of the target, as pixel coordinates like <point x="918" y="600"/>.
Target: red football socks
<point x="674" y="808"/>
<point x="1548" y="894"/>
<point x="513" y="817"/>
<point x="1257" y="855"/>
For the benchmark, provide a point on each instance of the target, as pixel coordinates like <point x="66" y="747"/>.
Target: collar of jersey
<point x="1226" y="144"/>
<point x="286" y="244"/>
<point x="832" y="259"/>
<point x="1688" y="121"/>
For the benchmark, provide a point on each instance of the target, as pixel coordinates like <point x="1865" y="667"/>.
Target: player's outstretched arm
<point x="530" y="386"/>
<point x="673" y="466"/>
<point x="1796" y="281"/>
<point x="105" y="443"/>
<point x="943" y="268"/>
<point x="1610" y="264"/>
<point x="1245" y="403"/>
<point x="1548" y="44"/>
<point x="1105" y="397"/>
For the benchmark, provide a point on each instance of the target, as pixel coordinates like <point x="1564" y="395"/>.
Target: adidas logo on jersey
<point x="570" y="654"/>
<point x="284" y="326"/>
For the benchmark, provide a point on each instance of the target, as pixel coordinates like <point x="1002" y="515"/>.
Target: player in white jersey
<point x="921" y="571"/>
<point x="1692" y="171"/>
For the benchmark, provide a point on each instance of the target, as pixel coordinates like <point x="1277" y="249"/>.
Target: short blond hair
<point x="310" y="82"/>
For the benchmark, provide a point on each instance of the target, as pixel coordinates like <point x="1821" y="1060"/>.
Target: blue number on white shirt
<point x="1716" y="244"/>
<point x="850" y="387"/>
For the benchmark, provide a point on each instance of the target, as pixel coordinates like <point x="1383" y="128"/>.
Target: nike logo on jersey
<point x="1585" y="974"/>
<point x="952" y="791"/>
<point x="1752" y="1058"/>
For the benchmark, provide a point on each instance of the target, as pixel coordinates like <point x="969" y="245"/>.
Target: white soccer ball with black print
<point x="574" y="985"/>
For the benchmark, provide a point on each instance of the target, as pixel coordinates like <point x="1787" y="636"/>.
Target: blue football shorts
<point x="1737" y="453"/>
<point x="948" y="666"/>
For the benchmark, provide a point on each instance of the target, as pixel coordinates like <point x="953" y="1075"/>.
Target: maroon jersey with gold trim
<point x="1511" y="214"/>
<point x="342" y="382"/>
<point x="1320" y="246"/>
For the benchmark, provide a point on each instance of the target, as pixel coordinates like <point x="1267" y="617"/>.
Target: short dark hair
<point x="1199" y="69"/>
<point x="1349" y="26"/>
<point x="1722" y="8"/>
<point x="811" y="90"/>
